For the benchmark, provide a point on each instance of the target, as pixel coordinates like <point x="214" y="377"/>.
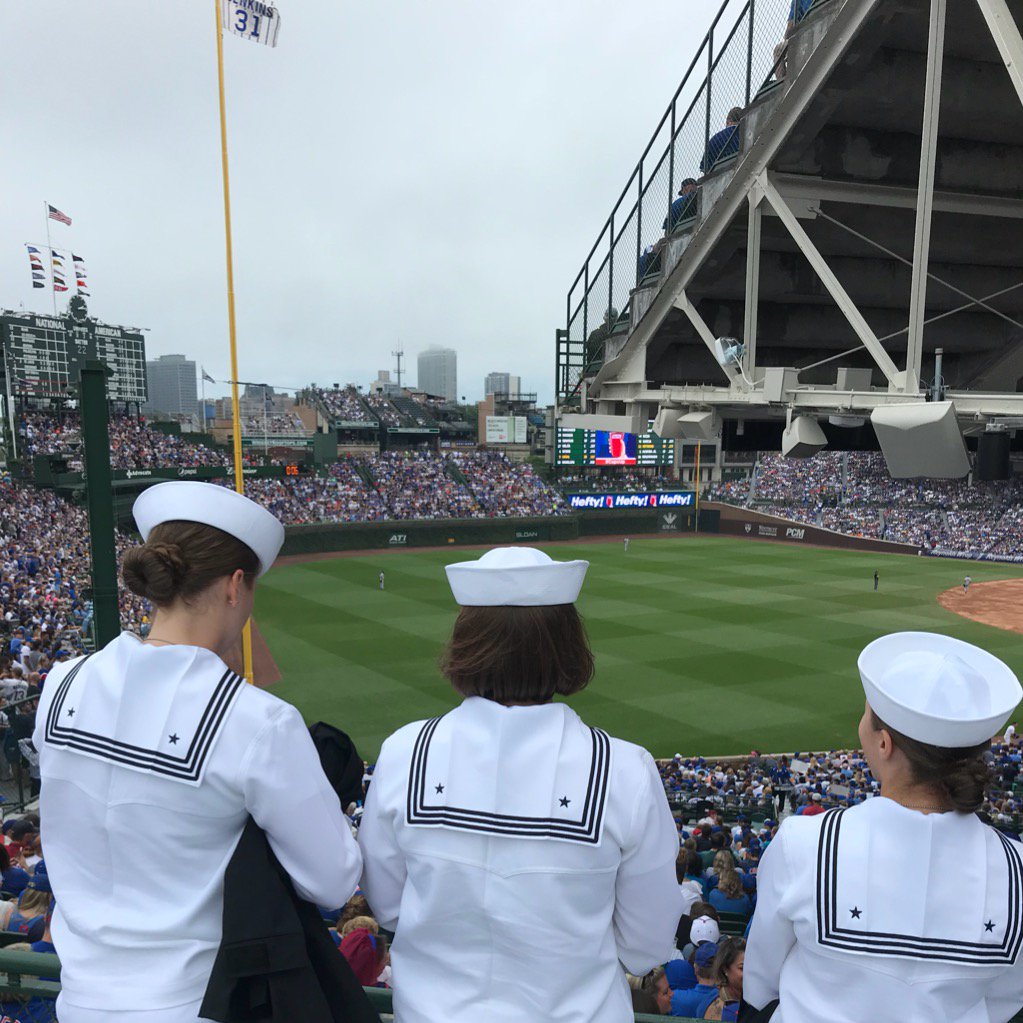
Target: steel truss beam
<point x="1007" y="38"/>
<point x="753" y="233"/>
<point x="925" y="194"/>
<point x="848" y="308"/>
<point x="706" y="334"/>
<point x="804" y="186"/>
<point x="976" y="406"/>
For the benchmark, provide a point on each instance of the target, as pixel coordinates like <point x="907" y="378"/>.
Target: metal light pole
<point x="99" y="499"/>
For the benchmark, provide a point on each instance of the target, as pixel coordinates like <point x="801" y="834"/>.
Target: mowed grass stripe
<point x="704" y="644"/>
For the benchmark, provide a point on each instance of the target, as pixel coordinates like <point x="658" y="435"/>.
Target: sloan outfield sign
<point x="677" y="499"/>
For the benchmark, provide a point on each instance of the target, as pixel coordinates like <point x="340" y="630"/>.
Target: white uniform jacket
<point x="522" y="858"/>
<point x="152" y="758"/>
<point x="883" y="914"/>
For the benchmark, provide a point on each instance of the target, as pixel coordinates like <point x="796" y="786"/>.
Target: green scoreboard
<point x="43" y="354"/>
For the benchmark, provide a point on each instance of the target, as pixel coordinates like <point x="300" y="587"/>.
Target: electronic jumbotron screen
<point x="613" y="448"/>
<point x="585" y="447"/>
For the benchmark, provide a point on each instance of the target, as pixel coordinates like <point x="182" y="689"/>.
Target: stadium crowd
<point x="276" y="424"/>
<point x="851" y="492"/>
<point x="133" y="443"/>
<point x="344" y="404"/>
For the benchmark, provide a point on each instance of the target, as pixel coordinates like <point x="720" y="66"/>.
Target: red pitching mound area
<point x="997" y="603"/>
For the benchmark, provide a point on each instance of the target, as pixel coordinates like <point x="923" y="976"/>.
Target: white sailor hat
<point x="516" y="577"/>
<point x="937" y="689"/>
<point x="212" y="505"/>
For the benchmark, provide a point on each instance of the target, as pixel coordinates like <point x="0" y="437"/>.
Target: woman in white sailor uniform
<point x="154" y="754"/>
<point x="906" y="907"/>
<point x="522" y="858"/>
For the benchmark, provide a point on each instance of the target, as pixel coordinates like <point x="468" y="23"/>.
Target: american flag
<point x="55" y="214"/>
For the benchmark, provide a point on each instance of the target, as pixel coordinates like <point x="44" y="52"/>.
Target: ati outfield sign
<point x="678" y="499"/>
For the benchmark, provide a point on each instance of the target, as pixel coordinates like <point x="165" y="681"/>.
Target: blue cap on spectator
<point x="716" y="827"/>
<point x="705" y="954"/>
<point x="40" y="884"/>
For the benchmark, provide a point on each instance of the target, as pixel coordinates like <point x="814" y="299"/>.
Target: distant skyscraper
<point x="172" y="386"/>
<point x="502" y="383"/>
<point x="438" y="372"/>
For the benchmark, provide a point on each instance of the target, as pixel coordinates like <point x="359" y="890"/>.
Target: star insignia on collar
<point x="856" y="912"/>
<point x="71" y="712"/>
<point x="173" y="739"/>
<point x="989" y="926"/>
<point x="438" y="789"/>
<point x="564" y="800"/>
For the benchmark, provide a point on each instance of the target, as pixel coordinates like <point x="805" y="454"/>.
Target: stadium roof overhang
<point x="872" y="218"/>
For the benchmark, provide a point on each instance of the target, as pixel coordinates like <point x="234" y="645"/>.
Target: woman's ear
<point x="235" y="582"/>
<point x="886" y="745"/>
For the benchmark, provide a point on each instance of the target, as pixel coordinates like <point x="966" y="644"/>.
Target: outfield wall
<point x="356" y="536"/>
<point x="714" y="518"/>
<point x="755" y="525"/>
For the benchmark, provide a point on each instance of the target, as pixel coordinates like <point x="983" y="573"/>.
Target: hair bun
<point x="155" y="571"/>
<point x="169" y="554"/>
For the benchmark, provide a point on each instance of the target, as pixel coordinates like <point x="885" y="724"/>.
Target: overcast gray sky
<point x="429" y="171"/>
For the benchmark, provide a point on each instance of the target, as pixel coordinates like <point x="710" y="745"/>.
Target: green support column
<point x="100" y="500"/>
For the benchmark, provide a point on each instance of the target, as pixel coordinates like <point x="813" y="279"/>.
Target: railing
<point x="16" y="791"/>
<point x="741" y="54"/>
<point x="29" y="988"/>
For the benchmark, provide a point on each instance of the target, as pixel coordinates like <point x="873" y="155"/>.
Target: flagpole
<point x="239" y="475"/>
<point x="49" y="247"/>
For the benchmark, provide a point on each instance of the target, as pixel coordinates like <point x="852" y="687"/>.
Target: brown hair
<point x="729" y="883"/>
<point x="687" y="862"/>
<point x="355" y="906"/>
<point x="181" y="559"/>
<point x="34" y="902"/>
<point x="959" y="772"/>
<point x="518" y="654"/>
<point x="729" y="949"/>
<point x="356" y="923"/>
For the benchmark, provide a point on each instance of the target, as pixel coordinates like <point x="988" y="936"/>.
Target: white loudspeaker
<point x="921" y="439"/>
<point x="699" y="426"/>
<point x="667" y="425"/>
<point x="802" y="438"/>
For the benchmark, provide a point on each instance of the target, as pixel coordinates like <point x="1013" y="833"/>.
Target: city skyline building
<point x="437" y="372"/>
<point x="502" y="383"/>
<point x="173" y="389"/>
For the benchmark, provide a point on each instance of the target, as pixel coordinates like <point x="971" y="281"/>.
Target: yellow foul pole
<point x="239" y="476"/>
<point x="697" y="522"/>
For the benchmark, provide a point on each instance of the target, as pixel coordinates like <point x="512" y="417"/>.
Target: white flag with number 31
<point x="252" y="19"/>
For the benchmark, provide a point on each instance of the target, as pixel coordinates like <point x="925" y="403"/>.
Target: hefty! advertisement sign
<point x="678" y="499"/>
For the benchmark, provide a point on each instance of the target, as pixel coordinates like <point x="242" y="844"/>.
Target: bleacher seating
<point x="852" y="492"/>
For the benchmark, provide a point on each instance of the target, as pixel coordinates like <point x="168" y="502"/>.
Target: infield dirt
<point x="998" y="603"/>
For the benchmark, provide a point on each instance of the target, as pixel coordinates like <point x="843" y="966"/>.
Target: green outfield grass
<point x="704" y="645"/>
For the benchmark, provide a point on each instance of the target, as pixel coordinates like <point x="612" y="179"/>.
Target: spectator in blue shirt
<point x="15" y="879"/>
<point x="729" y="896"/>
<point x="684" y="206"/>
<point x="694" y="1002"/>
<point x="724" y="143"/>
